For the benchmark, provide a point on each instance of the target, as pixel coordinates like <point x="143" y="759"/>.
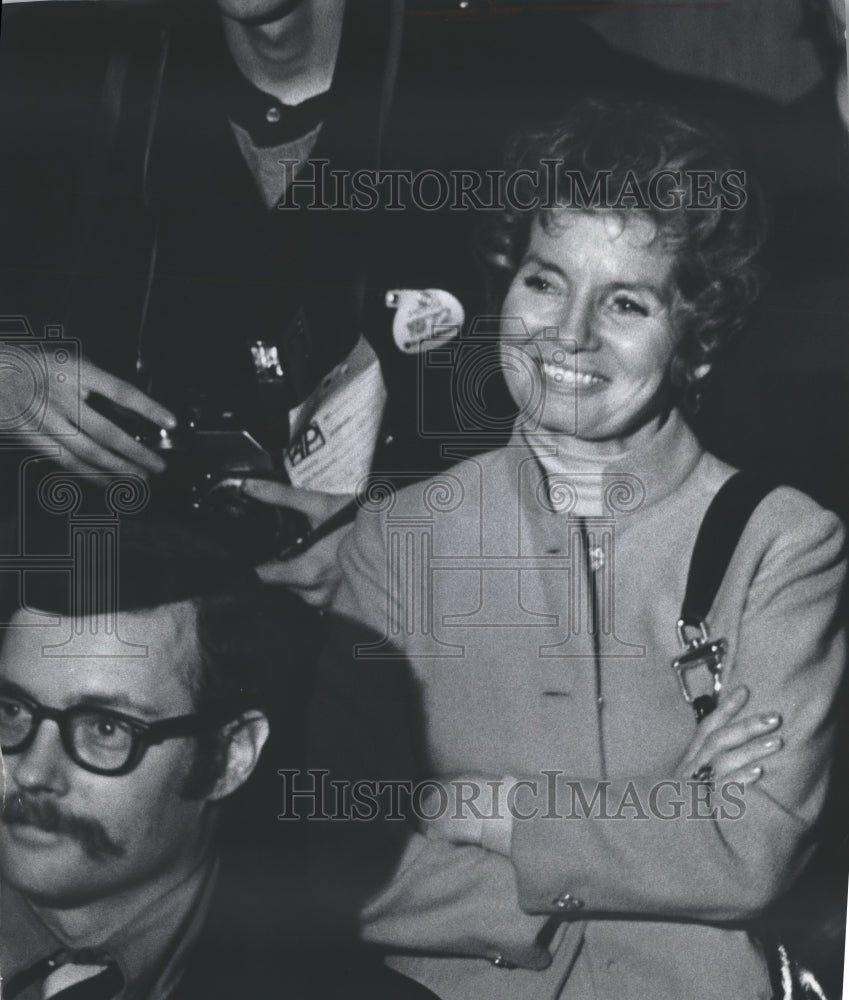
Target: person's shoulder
<point x="791" y="536"/>
<point x="787" y="516"/>
<point x="784" y="519"/>
<point x="42" y="43"/>
<point x="33" y="22"/>
<point x="53" y="55"/>
<point x="71" y="32"/>
<point x="443" y="491"/>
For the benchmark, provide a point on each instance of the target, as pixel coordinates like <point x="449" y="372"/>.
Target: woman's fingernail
<point x="771" y="719"/>
<point x="773" y="743"/>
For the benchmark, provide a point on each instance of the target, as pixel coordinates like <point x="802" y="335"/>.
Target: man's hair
<point x="244" y="641"/>
<point x="632" y="142"/>
<point x="255" y="649"/>
<point x="254" y="643"/>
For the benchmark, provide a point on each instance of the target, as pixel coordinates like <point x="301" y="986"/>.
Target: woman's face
<point x="592" y="360"/>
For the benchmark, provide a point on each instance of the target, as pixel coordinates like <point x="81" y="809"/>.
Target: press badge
<point x="424" y="318"/>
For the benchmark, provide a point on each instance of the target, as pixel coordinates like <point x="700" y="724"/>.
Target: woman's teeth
<point x="568" y="376"/>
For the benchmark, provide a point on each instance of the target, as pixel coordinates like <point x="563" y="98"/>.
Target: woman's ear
<point x="244" y="739"/>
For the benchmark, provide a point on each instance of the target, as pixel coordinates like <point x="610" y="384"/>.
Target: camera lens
<point x="257" y="530"/>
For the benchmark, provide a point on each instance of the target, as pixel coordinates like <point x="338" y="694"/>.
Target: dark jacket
<point x="241" y="952"/>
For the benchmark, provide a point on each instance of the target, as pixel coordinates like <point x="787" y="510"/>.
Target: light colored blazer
<point x="484" y="580"/>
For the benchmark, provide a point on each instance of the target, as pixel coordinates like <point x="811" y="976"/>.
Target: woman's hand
<point x="87" y="441"/>
<point x="726" y="747"/>
<point x="314" y="575"/>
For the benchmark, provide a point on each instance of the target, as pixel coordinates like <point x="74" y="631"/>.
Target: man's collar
<point x="150" y="949"/>
<point x="25" y="940"/>
<point x="268" y="121"/>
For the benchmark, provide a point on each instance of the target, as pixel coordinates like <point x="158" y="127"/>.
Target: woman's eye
<point x="627" y="306"/>
<point x="537" y="283"/>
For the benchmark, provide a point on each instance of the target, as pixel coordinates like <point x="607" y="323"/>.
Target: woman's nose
<point x="576" y="329"/>
<point x="43" y="766"/>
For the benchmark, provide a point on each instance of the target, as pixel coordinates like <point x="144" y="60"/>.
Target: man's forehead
<point x="149" y="656"/>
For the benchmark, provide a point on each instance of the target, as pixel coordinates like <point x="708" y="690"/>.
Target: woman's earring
<point x="693" y="396"/>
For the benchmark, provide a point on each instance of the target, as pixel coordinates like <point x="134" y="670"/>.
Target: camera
<point x="208" y="457"/>
<point x="41" y="366"/>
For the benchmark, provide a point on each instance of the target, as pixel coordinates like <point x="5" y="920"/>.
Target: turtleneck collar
<point x="654" y="468"/>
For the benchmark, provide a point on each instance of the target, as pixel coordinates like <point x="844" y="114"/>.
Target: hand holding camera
<point x="207" y="459"/>
<point x="48" y="399"/>
<point x="204" y="467"/>
<point x="103" y="446"/>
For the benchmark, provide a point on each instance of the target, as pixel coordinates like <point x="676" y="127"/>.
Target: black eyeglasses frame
<point x="144" y="734"/>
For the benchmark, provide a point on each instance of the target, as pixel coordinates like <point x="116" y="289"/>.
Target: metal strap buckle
<point x="699" y="651"/>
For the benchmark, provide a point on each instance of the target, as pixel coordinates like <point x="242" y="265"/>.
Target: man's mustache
<point x="43" y="814"/>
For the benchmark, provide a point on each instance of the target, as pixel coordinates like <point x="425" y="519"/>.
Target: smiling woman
<point x="597" y="306"/>
<point x="708" y="244"/>
<point x="534" y="592"/>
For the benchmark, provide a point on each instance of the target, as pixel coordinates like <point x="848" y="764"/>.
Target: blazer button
<point x="567" y="902"/>
<point x="500" y="962"/>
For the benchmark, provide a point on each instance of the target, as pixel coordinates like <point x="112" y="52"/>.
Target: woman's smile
<point x="560" y="377"/>
<point x="598" y="338"/>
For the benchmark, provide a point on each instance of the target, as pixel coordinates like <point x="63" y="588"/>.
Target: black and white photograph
<point x="424" y="479"/>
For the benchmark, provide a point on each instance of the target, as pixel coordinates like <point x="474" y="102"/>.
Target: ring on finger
<point x="703" y="773"/>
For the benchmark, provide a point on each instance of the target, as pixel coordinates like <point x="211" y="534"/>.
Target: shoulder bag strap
<point x="723" y="524"/>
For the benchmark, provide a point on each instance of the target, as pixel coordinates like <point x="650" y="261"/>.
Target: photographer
<point x="159" y="111"/>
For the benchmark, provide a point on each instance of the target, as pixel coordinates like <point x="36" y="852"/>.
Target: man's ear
<point x="243" y="739"/>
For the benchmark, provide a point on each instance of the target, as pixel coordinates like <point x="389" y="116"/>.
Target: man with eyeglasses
<point x="123" y="737"/>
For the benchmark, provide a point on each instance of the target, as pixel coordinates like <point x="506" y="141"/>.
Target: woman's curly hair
<point x="631" y="143"/>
